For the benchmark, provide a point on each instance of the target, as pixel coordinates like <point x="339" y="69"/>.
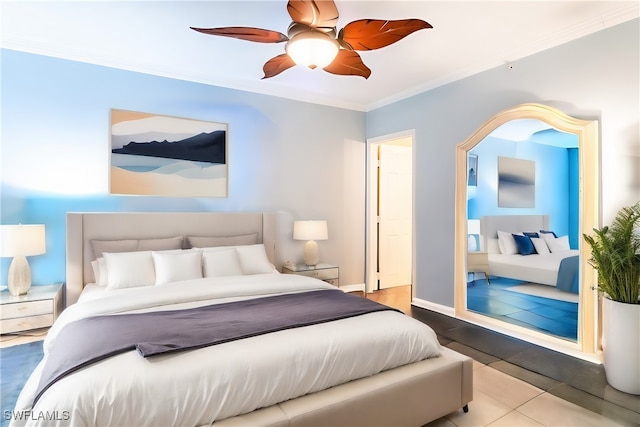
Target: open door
<point x="394" y="214"/>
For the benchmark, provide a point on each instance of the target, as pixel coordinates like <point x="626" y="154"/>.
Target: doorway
<point x="389" y="218"/>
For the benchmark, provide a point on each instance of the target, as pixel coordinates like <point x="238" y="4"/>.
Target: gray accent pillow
<point x="132" y="245"/>
<point x="211" y="242"/>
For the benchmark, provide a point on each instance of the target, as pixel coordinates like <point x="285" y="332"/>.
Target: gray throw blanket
<point x="168" y="331"/>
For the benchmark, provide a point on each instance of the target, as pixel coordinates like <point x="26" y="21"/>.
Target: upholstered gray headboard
<point x="84" y="227"/>
<point x="489" y="226"/>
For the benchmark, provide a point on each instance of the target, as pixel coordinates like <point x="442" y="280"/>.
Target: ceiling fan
<point x="312" y="39"/>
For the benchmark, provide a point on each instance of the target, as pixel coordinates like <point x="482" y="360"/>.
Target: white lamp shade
<point x="310" y="230"/>
<point x="473" y="229"/>
<point x="22" y="240"/>
<point x="473" y="226"/>
<point x="312" y="48"/>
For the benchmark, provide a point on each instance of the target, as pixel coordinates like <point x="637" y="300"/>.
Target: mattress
<point x="213" y="383"/>
<point x="542" y="269"/>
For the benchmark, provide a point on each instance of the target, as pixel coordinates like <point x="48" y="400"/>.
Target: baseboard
<point x="438" y="308"/>
<point x="359" y="287"/>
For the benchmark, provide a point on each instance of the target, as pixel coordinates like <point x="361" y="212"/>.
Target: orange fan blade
<point x="348" y="63"/>
<point x="246" y="33"/>
<point x="317" y="14"/>
<point x="276" y="65"/>
<point x="370" y="34"/>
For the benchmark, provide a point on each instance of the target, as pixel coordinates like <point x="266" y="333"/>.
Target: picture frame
<point x="158" y="155"/>
<point x="472" y="170"/>
<point x="516" y="183"/>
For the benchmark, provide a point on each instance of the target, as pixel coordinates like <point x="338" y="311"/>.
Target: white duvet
<point x="542" y="269"/>
<point x="197" y="387"/>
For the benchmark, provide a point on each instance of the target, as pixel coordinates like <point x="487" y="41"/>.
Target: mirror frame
<point x="588" y="341"/>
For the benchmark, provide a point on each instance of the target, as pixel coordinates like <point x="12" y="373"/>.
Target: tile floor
<point x="558" y="318"/>
<point x="502" y="400"/>
<point x="520" y="384"/>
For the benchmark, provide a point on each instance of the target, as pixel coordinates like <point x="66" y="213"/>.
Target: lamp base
<point x="472" y="244"/>
<point x="19" y="279"/>
<point x="311" y="253"/>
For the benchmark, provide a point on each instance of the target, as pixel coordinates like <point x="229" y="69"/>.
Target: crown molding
<point x="575" y="32"/>
<point x="599" y="23"/>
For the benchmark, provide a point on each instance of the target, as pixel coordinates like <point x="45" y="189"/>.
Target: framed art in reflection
<point x="472" y="170"/>
<point x="516" y="183"/>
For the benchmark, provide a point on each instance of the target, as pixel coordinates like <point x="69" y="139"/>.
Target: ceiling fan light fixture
<point x="312" y="49"/>
<point x="313" y="40"/>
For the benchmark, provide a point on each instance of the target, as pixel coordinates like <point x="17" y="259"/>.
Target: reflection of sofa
<point x="558" y="268"/>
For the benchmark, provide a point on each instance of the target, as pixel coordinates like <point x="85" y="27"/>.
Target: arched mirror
<point x="527" y="188"/>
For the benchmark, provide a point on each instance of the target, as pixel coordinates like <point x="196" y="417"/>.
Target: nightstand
<point x="326" y="272"/>
<point x="478" y="262"/>
<point x="39" y="308"/>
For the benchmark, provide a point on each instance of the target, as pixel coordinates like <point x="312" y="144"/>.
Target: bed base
<point x="411" y="395"/>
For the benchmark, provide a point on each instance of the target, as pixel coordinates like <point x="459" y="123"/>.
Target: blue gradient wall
<point x="554" y="195"/>
<point x="55" y="151"/>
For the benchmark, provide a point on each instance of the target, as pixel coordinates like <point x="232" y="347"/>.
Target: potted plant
<point x="615" y="255"/>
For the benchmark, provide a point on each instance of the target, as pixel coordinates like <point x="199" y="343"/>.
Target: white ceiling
<point x="154" y="37"/>
<point x="535" y="130"/>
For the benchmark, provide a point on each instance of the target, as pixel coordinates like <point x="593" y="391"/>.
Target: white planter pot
<point x="621" y="345"/>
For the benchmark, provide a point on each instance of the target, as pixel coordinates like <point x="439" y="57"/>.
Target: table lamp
<point x="473" y="230"/>
<point x="310" y="231"/>
<point x="20" y="241"/>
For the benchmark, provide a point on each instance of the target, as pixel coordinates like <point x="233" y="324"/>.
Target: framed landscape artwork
<point x="157" y="155"/>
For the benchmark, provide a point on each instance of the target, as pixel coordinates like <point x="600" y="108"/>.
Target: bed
<point x="541" y="257"/>
<point x="376" y="368"/>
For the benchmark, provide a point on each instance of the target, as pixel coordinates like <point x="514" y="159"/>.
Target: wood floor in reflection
<point x="397" y="297"/>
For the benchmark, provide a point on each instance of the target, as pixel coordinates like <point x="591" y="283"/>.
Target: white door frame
<point x="371" y="216"/>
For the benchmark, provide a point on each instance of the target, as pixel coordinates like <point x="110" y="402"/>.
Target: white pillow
<point x="540" y="245"/>
<point x="558" y="244"/>
<point x="253" y="259"/>
<point x="129" y="269"/>
<point x="507" y="243"/>
<point x="99" y="271"/>
<point x="176" y="266"/>
<point x="492" y="246"/>
<point x="547" y="237"/>
<point x="222" y="262"/>
<point x="96" y="271"/>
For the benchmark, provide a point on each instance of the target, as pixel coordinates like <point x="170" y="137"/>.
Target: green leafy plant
<point x="615" y="254"/>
